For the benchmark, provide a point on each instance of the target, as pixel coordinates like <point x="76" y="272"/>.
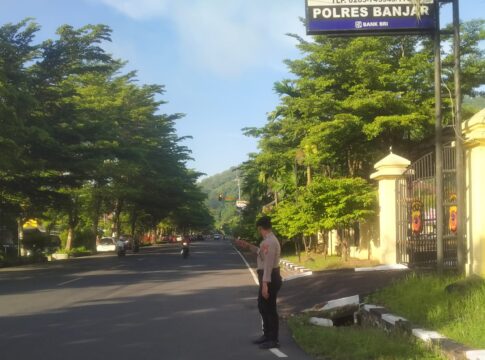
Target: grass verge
<point x="355" y="342"/>
<point x="318" y="262"/>
<point x="424" y="301"/>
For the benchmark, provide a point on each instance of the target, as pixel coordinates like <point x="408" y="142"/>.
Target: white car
<point x="106" y="244"/>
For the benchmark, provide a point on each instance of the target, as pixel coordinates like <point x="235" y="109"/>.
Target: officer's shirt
<point x="269" y="256"/>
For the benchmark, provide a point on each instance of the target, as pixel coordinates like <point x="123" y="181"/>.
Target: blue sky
<point x="217" y="58"/>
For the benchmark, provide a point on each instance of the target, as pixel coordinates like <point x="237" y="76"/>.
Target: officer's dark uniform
<point x="269" y="271"/>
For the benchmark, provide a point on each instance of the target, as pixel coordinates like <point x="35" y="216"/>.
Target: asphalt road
<point x="152" y="305"/>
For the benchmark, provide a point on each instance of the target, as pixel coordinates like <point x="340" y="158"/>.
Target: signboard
<point x="241" y="204"/>
<point x="371" y="17"/>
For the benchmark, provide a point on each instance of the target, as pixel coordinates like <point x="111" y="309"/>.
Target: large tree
<point x="349" y="100"/>
<point x="82" y="138"/>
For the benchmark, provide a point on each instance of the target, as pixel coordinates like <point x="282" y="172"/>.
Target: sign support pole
<point x="439" y="142"/>
<point x="460" y="165"/>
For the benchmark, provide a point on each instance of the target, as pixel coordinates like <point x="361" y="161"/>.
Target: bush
<point x="80" y="251"/>
<point x="84" y="238"/>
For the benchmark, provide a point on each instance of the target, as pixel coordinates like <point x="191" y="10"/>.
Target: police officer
<point x="268" y="256"/>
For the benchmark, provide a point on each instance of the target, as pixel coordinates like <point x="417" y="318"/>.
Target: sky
<point x="218" y="59"/>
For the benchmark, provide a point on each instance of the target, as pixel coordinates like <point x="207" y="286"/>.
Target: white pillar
<point x="474" y="132"/>
<point x="388" y="170"/>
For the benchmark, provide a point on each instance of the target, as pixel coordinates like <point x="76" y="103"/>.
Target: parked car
<point x="106" y="244"/>
<point x="8" y="248"/>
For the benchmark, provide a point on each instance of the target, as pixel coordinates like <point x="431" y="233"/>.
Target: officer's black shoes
<point x="270" y="344"/>
<point x="260" y="340"/>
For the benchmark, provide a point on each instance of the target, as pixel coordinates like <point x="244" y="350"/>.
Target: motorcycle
<point x="185" y="249"/>
<point x="120" y="248"/>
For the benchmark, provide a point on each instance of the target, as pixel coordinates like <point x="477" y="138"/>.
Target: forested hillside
<point x="225" y="184"/>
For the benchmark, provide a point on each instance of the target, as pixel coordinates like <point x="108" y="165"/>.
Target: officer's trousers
<point x="267" y="307"/>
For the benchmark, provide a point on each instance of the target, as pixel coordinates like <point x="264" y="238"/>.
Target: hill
<point x="225" y="184"/>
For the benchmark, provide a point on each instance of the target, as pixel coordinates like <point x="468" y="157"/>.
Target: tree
<point x="348" y="100"/>
<point x="82" y="138"/>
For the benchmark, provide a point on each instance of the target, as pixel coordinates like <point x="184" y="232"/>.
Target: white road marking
<point x="255" y="277"/>
<point x="278" y="353"/>
<point x="68" y="282"/>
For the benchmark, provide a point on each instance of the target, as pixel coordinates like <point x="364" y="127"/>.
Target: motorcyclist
<point x="120" y="247"/>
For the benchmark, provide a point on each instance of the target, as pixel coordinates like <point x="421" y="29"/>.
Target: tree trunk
<point x="307" y="251"/>
<point x="297" y="249"/>
<point x="95" y="220"/>
<point x="72" y="222"/>
<point x="308" y="175"/>
<point x="20" y="229"/>
<point x="134" y="218"/>
<point x="117" y="218"/>
<point x="70" y="237"/>
<point x="344" y="245"/>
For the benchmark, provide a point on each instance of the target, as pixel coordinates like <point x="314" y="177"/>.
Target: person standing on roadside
<point x="268" y="257"/>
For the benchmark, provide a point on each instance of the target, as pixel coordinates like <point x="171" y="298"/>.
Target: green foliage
<point x="325" y="204"/>
<point x="224" y="212"/>
<point x="347" y="101"/>
<point x="81" y="139"/>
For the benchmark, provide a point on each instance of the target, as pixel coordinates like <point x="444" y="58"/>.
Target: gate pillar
<point x="474" y="132"/>
<point x="388" y="170"/>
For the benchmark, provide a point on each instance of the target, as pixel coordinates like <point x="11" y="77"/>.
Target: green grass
<point x="318" y="262"/>
<point x="349" y="343"/>
<point x="424" y="301"/>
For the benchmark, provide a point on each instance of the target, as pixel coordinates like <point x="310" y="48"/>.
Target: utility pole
<point x="439" y="142"/>
<point x="238" y="185"/>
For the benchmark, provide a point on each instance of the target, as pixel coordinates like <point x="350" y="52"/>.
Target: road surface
<point x="151" y="305"/>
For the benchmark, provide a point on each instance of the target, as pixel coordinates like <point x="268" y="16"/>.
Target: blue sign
<point x="371" y="17"/>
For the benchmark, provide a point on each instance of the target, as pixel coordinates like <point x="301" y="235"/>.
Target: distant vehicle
<point x="106" y="244"/>
<point x="185" y="249"/>
<point x="179" y="238"/>
<point x="217" y="236"/>
<point x="36" y="241"/>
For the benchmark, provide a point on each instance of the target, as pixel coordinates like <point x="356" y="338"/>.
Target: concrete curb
<point x="395" y="267"/>
<point x="289" y="265"/>
<point x="335" y="304"/>
<point x="378" y="316"/>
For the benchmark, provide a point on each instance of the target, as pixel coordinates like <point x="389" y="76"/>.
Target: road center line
<point x="255" y="278"/>
<point x="68" y="282"/>
<point x="278" y="353"/>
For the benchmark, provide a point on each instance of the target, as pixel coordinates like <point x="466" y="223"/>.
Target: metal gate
<point x="416" y="212"/>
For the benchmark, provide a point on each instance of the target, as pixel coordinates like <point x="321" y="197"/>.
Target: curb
<point x="291" y="266"/>
<point x="337" y="303"/>
<point x="378" y="316"/>
<point x="394" y="267"/>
